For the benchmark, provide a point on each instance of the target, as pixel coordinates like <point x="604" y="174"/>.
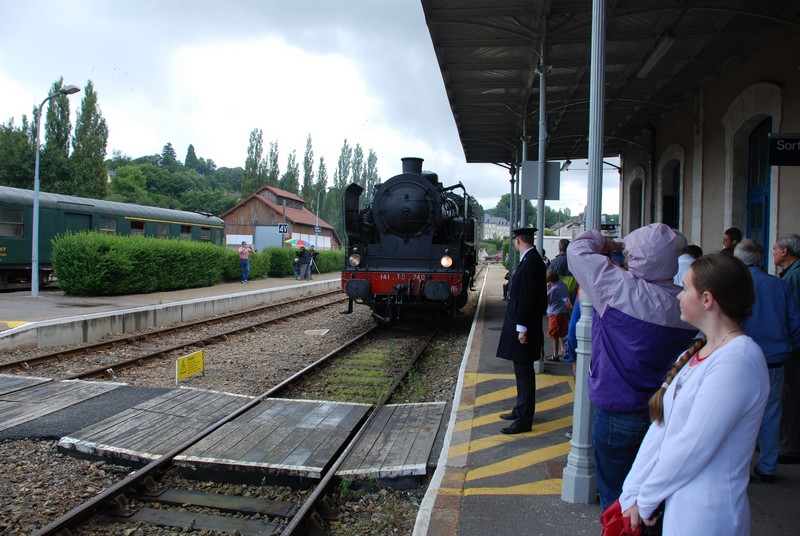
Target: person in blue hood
<point x="636" y="334"/>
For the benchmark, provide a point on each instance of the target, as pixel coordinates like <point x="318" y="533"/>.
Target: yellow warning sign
<point x="189" y="365"/>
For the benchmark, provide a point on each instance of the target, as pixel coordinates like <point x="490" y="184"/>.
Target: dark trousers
<point x="790" y="418"/>
<point x="526" y="391"/>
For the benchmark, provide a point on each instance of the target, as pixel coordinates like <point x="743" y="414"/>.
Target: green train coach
<point x="61" y="213"/>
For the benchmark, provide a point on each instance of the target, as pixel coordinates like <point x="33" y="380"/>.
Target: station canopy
<point x="657" y="53"/>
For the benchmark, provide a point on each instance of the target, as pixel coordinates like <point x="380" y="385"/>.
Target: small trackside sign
<point x="784" y="149"/>
<point x="283" y="228"/>
<point x="189" y="365"/>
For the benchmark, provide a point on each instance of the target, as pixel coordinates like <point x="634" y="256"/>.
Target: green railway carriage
<point x="60" y="213"/>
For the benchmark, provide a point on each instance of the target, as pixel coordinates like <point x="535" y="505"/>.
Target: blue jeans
<point x="244" y="267"/>
<point x="769" y="435"/>
<point x="616" y="438"/>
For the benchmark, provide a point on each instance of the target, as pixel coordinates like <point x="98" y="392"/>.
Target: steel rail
<point x="307" y="509"/>
<point x="86" y="510"/>
<point x="157" y="354"/>
<point x="130" y="339"/>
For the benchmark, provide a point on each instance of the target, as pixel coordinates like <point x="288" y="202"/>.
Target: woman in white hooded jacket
<point x="696" y="454"/>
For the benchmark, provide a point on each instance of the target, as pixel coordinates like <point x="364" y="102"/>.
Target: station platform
<point x="484" y="482"/>
<point x="52" y="319"/>
<point x="490" y="483"/>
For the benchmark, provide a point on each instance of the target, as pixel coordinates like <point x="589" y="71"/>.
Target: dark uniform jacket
<point x="527" y="304"/>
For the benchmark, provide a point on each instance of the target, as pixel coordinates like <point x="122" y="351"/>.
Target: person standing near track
<point x="305" y="259"/>
<point x="636" y="333"/>
<point x="244" y="260"/>
<point x="521" y="338"/>
<point x="697" y="452"/>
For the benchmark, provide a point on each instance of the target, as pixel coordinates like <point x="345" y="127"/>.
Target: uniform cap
<point x="525" y="231"/>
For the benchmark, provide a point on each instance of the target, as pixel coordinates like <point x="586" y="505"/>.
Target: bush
<point x="94" y="264"/>
<point x="91" y="264"/>
<point x="259" y="265"/>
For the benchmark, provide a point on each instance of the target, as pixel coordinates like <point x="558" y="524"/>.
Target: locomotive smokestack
<point x="412" y="165"/>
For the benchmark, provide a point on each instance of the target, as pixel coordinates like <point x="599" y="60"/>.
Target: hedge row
<point x="95" y="264"/>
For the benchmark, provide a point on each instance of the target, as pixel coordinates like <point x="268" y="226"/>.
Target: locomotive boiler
<point x="411" y="246"/>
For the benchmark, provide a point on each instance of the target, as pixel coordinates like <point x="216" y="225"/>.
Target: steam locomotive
<point x="412" y="246"/>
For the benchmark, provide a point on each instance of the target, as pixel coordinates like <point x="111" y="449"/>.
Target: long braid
<point x="656" y="403"/>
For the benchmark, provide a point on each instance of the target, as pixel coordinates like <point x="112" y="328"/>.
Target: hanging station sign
<point x="784" y="149"/>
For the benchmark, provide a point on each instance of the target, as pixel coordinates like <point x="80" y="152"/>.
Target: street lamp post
<point x="66" y="90"/>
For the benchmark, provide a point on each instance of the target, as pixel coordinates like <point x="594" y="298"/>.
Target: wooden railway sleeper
<point x="314" y="525"/>
<point x="120" y="507"/>
<point x="326" y="509"/>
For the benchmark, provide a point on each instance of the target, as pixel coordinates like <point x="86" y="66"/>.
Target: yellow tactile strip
<point x="466" y="480"/>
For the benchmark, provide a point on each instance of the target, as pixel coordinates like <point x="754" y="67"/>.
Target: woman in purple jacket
<point x="636" y="334"/>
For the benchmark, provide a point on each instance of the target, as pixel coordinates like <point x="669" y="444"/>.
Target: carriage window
<point x="205" y="234"/>
<point x="11" y="223"/>
<point x="137" y="228"/>
<point x="186" y="232"/>
<point x="108" y="226"/>
<point x="163" y="230"/>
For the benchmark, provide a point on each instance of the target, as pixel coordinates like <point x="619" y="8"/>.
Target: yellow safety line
<point x="551" y="486"/>
<point x="14" y="323"/>
<point x="544" y="405"/>
<point x="521" y="461"/>
<point x="488" y="442"/>
<point x="542" y="381"/>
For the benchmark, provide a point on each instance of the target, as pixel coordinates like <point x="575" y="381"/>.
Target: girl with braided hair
<point x="696" y="454"/>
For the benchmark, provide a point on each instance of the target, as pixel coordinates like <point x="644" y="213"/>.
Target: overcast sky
<point x="207" y="72"/>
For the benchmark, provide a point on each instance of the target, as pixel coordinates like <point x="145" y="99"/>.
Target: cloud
<point x="207" y="73"/>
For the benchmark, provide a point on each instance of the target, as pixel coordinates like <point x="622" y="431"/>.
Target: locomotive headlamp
<point x="447" y="261"/>
<point x="354" y="259"/>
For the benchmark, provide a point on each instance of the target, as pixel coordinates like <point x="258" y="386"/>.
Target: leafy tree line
<point x="162" y="179"/>
<point x="79" y="172"/>
<point x="551" y="216"/>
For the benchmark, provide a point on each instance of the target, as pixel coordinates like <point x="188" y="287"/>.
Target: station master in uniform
<point x="522" y="338"/>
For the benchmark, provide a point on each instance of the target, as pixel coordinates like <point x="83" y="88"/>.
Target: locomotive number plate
<point x="402" y="277"/>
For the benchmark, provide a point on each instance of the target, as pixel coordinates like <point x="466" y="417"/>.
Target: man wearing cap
<point x="521" y="339"/>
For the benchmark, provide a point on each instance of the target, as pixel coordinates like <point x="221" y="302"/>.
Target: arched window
<point x="758" y="184"/>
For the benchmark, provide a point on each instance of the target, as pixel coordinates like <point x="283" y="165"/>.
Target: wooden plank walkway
<point x="398" y="444"/>
<point x="296" y="438"/>
<point x="23" y="399"/>
<point x="278" y="438"/>
<point x="152" y="428"/>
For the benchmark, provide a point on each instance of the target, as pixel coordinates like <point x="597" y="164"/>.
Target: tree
<point x="16" y="156"/>
<point x="118" y="159"/>
<point x="371" y="178"/>
<point x="357" y="166"/>
<point x="291" y="179"/>
<point x="54" y="158"/>
<point x="273" y="170"/>
<point x="250" y="181"/>
<point x="191" y="160"/>
<point x="307" y="190"/>
<point x="342" y="173"/>
<point x="129" y="185"/>
<point x="209" y="201"/>
<point x="89" y="174"/>
<point x="169" y="158"/>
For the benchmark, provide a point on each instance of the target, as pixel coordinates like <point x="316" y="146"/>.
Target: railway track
<point x="91" y="352"/>
<point x="236" y="514"/>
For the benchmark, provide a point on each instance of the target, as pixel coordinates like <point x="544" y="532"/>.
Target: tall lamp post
<point x="316" y="226"/>
<point x="66" y="90"/>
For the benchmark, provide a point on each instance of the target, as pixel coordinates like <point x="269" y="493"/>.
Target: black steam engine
<point x="413" y="245"/>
